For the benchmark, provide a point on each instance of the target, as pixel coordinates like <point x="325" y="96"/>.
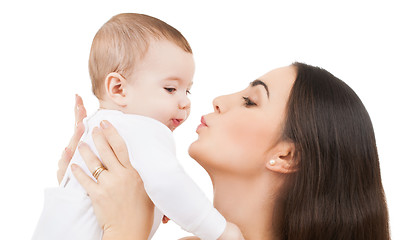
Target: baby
<point x="141" y="71"/>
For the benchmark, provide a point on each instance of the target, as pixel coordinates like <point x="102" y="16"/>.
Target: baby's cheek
<point x="187" y="114"/>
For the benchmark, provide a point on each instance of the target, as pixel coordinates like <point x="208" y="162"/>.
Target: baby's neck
<point x="105" y="104"/>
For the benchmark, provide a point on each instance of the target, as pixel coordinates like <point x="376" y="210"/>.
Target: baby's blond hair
<point x="124" y="40"/>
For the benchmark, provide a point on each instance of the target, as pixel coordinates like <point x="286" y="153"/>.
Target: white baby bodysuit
<point x="68" y="213"/>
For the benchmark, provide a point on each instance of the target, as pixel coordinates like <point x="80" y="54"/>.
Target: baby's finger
<point x="91" y="160"/>
<point x="87" y="183"/>
<point x="116" y="142"/>
<point x="165" y="219"/>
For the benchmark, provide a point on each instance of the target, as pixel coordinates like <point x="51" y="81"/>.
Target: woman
<point x="293" y="156"/>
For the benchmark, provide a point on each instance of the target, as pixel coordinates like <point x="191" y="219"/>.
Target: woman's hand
<point x="80" y="114"/>
<point x="122" y="207"/>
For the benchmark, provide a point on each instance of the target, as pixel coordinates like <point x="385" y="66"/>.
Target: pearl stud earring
<point x="272" y="162"/>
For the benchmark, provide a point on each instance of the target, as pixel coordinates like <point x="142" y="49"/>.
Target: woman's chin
<point x="192" y="150"/>
<point x="196" y="152"/>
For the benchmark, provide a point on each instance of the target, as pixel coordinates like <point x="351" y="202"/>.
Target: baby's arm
<point x="169" y="187"/>
<point x="232" y="232"/>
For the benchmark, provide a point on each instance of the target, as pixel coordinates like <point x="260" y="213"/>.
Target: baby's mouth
<point x="176" y="122"/>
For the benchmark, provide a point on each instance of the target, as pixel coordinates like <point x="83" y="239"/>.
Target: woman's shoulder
<point x="190" y="238"/>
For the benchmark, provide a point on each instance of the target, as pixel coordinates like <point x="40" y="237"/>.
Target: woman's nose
<point x="225" y="103"/>
<point x="218" y="104"/>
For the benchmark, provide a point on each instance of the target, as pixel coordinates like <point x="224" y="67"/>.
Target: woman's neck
<point x="246" y="202"/>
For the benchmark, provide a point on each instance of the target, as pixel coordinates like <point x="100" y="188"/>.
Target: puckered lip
<point x="202" y="125"/>
<point x="203" y="121"/>
<point x="177" y="121"/>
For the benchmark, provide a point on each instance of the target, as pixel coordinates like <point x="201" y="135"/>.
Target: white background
<point x="44" y="47"/>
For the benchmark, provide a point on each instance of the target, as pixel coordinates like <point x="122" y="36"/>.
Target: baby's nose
<point x="184" y="103"/>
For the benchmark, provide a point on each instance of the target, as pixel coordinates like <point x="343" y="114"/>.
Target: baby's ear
<point x="283" y="161"/>
<point x="115" y="87"/>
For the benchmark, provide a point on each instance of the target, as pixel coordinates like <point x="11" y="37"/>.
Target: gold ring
<point x="98" y="171"/>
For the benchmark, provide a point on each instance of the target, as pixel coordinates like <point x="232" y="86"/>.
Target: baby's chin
<point x="174" y="124"/>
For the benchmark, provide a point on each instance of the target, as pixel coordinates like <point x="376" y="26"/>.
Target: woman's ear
<point x="283" y="161"/>
<point x="115" y="88"/>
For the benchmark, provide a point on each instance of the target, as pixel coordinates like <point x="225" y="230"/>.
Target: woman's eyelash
<point x="248" y="102"/>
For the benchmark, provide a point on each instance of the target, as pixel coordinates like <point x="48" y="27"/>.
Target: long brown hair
<point x="336" y="192"/>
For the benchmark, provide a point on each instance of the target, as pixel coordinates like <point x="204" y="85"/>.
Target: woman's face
<point x="243" y="132"/>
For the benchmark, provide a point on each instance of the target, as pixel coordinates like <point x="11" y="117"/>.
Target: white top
<point x="68" y="213"/>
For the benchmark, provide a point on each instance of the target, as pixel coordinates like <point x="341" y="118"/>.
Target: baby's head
<point x="141" y="65"/>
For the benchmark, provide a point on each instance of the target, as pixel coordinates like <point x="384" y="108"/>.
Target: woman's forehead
<point x="280" y="79"/>
<point x="280" y="74"/>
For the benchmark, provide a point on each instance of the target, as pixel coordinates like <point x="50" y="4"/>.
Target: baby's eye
<point x="170" y="90"/>
<point x="248" y="102"/>
<point x="188" y="92"/>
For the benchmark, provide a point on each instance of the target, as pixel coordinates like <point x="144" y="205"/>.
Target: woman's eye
<point x="170" y="90"/>
<point x="248" y="102"/>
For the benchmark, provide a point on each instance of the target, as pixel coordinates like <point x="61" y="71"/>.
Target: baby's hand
<point x="231" y="232"/>
<point x="165" y="219"/>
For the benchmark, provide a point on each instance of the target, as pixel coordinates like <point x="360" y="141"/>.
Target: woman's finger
<point x="78" y="132"/>
<point x="63" y="163"/>
<point x="87" y="182"/>
<point x="104" y="150"/>
<point x="91" y="160"/>
<point x="80" y="114"/>
<point x="116" y="142"/>
<point x="80" y="110"/>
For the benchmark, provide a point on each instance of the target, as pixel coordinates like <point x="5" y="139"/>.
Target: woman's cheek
<point x="239" y="145"/>
<point x="248" y="135"/>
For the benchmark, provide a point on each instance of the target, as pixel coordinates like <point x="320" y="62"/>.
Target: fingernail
<point x="76" y="98"/>
<point x="105" y="124"/>
<point x="96" y="130"/>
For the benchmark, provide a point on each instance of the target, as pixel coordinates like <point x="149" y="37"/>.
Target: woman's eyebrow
<point x="260" y="82"/>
